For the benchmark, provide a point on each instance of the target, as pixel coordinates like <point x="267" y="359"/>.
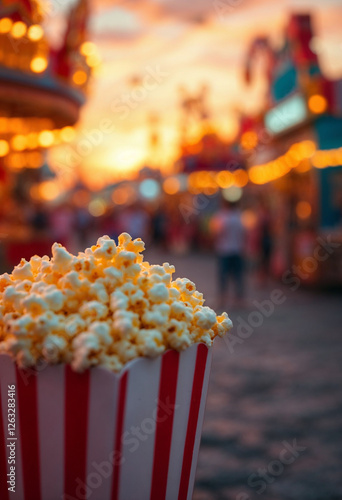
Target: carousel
<point x="42" y="90"/>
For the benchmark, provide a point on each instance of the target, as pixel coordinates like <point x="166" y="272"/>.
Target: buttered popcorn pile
<point x="103" y="307"/>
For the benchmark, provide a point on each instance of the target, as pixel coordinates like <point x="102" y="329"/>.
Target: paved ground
<point x="273" y="424"/>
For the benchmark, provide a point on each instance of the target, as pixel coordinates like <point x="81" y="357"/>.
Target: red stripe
<point x="117" y="456"/>
<point x="77" y="386"/>
<point x="28" y="432"/>
<point x="162" y="446"/>
<point x="201" y="358"/>
<point x="3" y="465"/>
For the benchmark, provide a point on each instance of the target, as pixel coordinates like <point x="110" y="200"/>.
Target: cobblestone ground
<point x="273" y="423"/>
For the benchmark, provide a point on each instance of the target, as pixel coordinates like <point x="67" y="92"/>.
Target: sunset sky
<point x="149" y="48"/>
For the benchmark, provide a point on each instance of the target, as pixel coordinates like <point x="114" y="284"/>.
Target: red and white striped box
<point x="103" y="436"/>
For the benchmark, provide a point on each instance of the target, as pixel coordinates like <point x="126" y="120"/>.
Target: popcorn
<point x="104" y="307"/>
<point x="158" y="293"/>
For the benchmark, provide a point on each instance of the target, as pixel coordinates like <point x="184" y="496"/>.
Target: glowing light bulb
<point x="5" y="25"/>
<point x="35" y="33"/>
<point x="4" y="148"/>
<point x="317" y="104"/>
<point x="38" y="64"/>
<point x="88" y="48"/>
<point x="79" y="77"/>
<point x="171" y="185"/>
<point x="46" y="138"/>
<point x="18" y="29"/>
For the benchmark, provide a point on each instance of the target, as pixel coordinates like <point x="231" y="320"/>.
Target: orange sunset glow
<point x="148" y="51"/>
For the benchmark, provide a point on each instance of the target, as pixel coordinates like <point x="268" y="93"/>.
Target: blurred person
<point x="39" y="220"/>
<point x="229" y="242"/>
<point x="62" y="223"/>
<point x="135" y="221"/>
<point x="159" y="228"/>
<point x="83" y="222"/>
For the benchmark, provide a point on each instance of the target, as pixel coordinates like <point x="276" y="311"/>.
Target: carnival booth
<point x="297" y="155"/>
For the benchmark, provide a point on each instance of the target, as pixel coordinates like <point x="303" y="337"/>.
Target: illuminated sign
<point x="286" y="115"/>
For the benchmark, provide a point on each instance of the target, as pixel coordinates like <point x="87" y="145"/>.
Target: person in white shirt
<point x="229" y="243"/>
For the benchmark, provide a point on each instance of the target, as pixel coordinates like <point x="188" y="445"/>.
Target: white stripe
<point x="8" y="377"/>
<point x="141" y="408"/>
<point x="200" y="423"/>
<point x="101" y="432"/>
<point x="187" y="362"/>
<point x="51" y="403"/>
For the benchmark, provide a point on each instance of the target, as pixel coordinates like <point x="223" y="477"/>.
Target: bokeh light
<point x="4" y="148"/>
<point x="38" y="64"/>
<point x="232" y="193"/>
<point x="303" y="210"/>
<point x="35" y="33"/>
<point x="317" y="104"/>
<point x="18" y="29"/>
<point x="97" y="207"/>
<point x="149" y="188"/>
<point x="171" y="185"/>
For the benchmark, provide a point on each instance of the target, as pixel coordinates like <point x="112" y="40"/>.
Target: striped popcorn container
<point x="103" y="436"/>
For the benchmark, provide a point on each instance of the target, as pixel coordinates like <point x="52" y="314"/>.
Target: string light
<point x="249" y="140"/>
<point x="67" y="134"/>
<point x="19" y="142"/>
<point x="18" y="29"/>
<point x="171" y="185"/>
<point x="4" y="148"/>
<point x="317" y="104"/>
<point x="88" y="48"/>
<point x="5" y="25"/>
<point x="79" y="77"/>
<point x="35" y="33"/>
<point x="303" y="209"/>
<point x="46" y="138"/>
<point x="38" y="64"/>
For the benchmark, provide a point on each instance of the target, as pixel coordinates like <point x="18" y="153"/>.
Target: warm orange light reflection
<point x="79" y="77"/>
<point x="38" y="64"/>
<point x="67" y="134"/>
<point x="18" y="29"/>
<point x="224" y="179"/>
<point x="49" y="190"/>
<point x="4" y="148"/>
<point x="46" y="138"/>
<point x="317" y="104"/>
<point x="5" y="25"/>
<point x="171" y="185"/>
<point x="34" y="160"/>
<point x="249" y="140"/>
<point x="19" y="142"/>
<point x="240" y="177"/>
<point x="35" y="33"/>
<point x="81" y="198"/>
<point x="97" y="207"/>
<point x="88" y="48"/>
<point x="32" y="140"/>
<point x="303" y="209"/>
<point x="93" y="60"/>
<point x="249" y="219"/>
